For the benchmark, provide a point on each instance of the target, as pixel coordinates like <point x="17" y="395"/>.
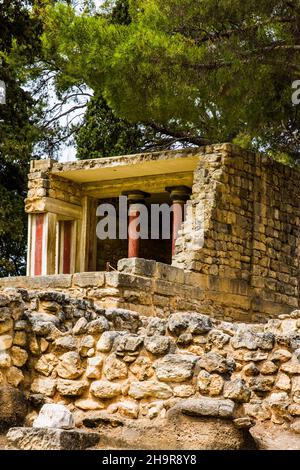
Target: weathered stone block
<point x="138" y="266"/>
<point x="222" y="408"/>
<point x="140" y="390"/>
<point x="52" y="439"/>
<point x="105" y="389"/>
<point x="89" y="279"/>
<point x="214" y="362"/>
<point x="237" y="390"/>
<point x="175" y="367"/>
<point x="69" y="366"/>
<point x="157" y="345"/>
<point x="45" y="386"/>
<point x="71" y="388"/>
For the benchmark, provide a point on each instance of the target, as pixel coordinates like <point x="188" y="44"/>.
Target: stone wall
<point x="251" y="210"/>
<point x="156" y="289"/>
<point x="41" y="184"/>
<point x="249" y="261"/>
<point x="56" y="347"/>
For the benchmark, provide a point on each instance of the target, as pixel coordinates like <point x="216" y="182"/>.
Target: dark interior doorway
<point x="111" y="250"/>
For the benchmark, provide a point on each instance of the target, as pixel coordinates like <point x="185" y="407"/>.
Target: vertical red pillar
<point x="178" y="213"/>
<point x="133" y="229"/>
<point x="179" y="195"/>
<point x="38" y="249"/>
<point x="67" y="246"/>
<point x="135" y="198"/>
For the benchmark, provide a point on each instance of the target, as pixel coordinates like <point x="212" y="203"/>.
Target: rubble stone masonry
<point x="120" y="366"/>
<point x="248" y="265"/>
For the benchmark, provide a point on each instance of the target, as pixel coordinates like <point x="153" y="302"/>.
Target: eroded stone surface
<point x="52" y="439"/>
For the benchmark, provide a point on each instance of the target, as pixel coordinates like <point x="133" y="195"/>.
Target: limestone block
<point x="184" y="391"/>
<point x="89" y="404"/>
<point x="86" y="344"/>
<point x="250" y="370"/>
<point x="194" y="322"/>
<point x="245" y="338"/>
<point x="123" y="319"/>
<point x="5" y="342"/>
<point x="142" y="368"/>
<point x="45" y="386"/>
<point x="6" y="326"/>
<point x="204" y="406"/>
<point x="148" y="389"/>
<point x="237" y="390"/>
<point x="14" y="376"/>
<point x="283" y="382"/>
<point x="19" y="356"/>
<point x="128" y="344"/>
<point x="106" y="341"/>
<point x="155" y="409"/>
<point x="294" y="409"/>
<point x="210" y="384"/>
<point x="268" y="368"/>
<point x="80" y="326"/>
<point x="157" y="344"/>
<point x="175" y="367"/>
<point x="278" y="401"/>
<point x="69" y="366"/>
<point x="138" y="266"/>
<point x="71" y="388"/>
<point x="129" y="409"/>
<point x="98" y="326"/>
<point x="5" y="360"/>
<point x="89" y="279"/>
<point x="53" y="415"/>
<point x="105" y="389"/>
<point x="52" y="439"/>
<point x="46" y="364"/>
<point x="114" y="368"/>
<point x="217" y="338"/>
<point x="94" y="367"/>
<point x="262" y="383"/>
<point x="156" y="326"/>
<point x="214" y="362"/>
<point x="295" y="384"/>
<point x="291" y="367"/>
<point x="20" y="338"/>
<point x="65" y="343"/>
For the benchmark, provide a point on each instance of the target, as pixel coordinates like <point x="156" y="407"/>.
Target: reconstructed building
<point x="160" y="342"/>
<point x="237" y="251"/>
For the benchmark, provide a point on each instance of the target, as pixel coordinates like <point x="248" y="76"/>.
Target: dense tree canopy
<point x="18" y="129"/>
<point x="204" y="71"/>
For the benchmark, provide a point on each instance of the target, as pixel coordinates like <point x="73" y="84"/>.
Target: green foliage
<point x="208" y="70"/>
<point x="19" y="45"/>
<point x="103" y="134"/>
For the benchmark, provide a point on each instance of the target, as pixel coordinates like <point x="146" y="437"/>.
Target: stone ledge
<point x="60" y="281"/>
<point x="52" y="439"/>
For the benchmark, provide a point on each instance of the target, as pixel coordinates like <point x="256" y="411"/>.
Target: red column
<point x="179" y="195"/>
<point x="67" y="247"/>
<point x="133" y="230"/>
<point x="38" y="249"/>
<point x="178" y="212"/>
<point x="135" y="198"/>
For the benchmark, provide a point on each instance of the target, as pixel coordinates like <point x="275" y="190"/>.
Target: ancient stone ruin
<point x="163" y="344"/>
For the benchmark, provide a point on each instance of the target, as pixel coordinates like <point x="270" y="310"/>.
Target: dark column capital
<point x="135" y="196"/>
<point x="179" y="193"/>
